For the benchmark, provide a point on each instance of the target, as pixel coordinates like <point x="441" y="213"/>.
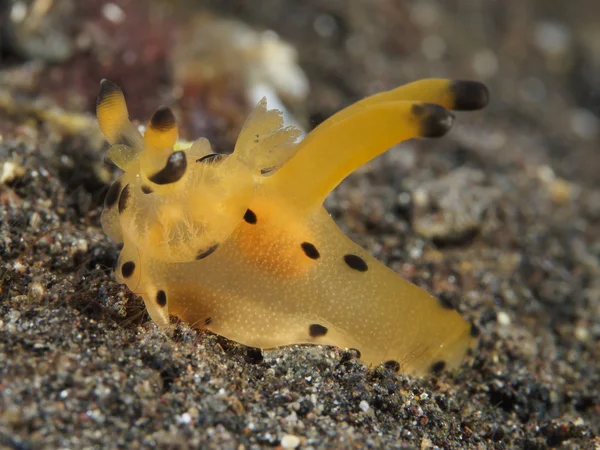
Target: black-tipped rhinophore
<point x="469" y="95"/>
<point x="163" y="119"/>
<point x="107" y="88"/>
<point x="435" y="120"/>
<point x="173" y="170"/>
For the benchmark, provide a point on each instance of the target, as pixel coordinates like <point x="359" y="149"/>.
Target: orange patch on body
<point x="273" y="243"/>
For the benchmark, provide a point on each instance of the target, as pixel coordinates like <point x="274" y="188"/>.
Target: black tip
<point x="163" y="119"/>
<point x="435" y="120"/>
<point x="107" y="88"/>
<point x="469" y="95"/>
<point x="173" y="170"/>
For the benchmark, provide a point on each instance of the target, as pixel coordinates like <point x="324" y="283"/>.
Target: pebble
<point x="11" y="171"/>
<point x="36" y="290"/>
<point x="290" y="441"/>
<point x="363" y="405"/>
<point x="553" y="38"/>
<point x="582" y="334"/>
<point x="485" y="63"/>
<point x="503" y="319"/>
<point x="113" y="13"/>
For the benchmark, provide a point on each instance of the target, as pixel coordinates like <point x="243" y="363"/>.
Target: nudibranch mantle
<point x="241" y="245"/>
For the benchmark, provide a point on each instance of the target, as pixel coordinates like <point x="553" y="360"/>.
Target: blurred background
<point x="212" y="60"/>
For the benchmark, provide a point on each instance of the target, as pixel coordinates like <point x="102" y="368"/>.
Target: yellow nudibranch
<point x="241" y="245"/>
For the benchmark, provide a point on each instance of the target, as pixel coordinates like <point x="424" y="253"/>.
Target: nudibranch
<point x="241" y="245"/>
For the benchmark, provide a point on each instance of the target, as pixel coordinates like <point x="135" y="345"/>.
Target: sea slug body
<point x="241" y="245"/>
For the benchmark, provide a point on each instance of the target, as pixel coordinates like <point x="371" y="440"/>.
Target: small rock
<point x="553" y="38"/>
<point x="503" y="319"/>
<point x="36" y="290"/>
<point x="11" y="171"/>
<point x="426" y="444"/>
<point x="113" y="13"/>
<point x="290" y="441"/>
<point x="582" y="333"/>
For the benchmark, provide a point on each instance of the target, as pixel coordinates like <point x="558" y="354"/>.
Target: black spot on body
<point x="474" y="331"/>
<point x="124" y="199"/>
<point x="250" y="217"/>
<point x="254" y="355"/>
<point x="447" y="300"/>
<point x="356" y="262"/>
<point x="209" y="251"/>
<point x="161" y="298"/>
<point x="112" y="196"/>
<point x="213" y="158"/>
<point x="208" y="321"/>
<point x="394" y="366"/>
<point x="469" y="95"/>
<point x="127" y="269"/>
<point x="310" y="250"/>
<point x="435" y="120"/>
<point x="316" y="330"/>
<point x="147" y="190"/>
<point x="173" y="171"/>
<point x="438" y="367"/>
<point x="163" y="119"/>
<point x="268" y="170"/>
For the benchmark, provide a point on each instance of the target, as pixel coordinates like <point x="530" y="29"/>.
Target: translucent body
<point x="242" y="246"/>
